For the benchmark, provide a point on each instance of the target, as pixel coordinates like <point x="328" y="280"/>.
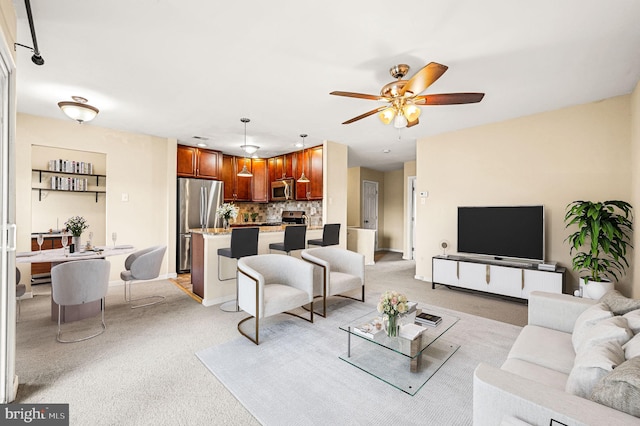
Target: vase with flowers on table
<point x="75" y="226"/>
<point x="227" y="211"/>
<point x="392" y="304"/>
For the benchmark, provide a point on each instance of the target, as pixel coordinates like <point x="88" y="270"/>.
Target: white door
<point x="370" y="206"/>
<point x="7" y="226"/>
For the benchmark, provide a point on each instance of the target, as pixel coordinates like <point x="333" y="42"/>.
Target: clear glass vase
<point x="392" y="325"/>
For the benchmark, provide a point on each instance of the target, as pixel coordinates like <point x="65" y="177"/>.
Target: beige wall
<point x="9" y="23"/>
<point x="552" y="158"/>
<point x="409" y="171"/>
<point x="393" y="211"/>
<point x="635" y="184"/>
<point x="334" y="206"/>
<point x="354" y="189"/>
<point x="141" y="166"/>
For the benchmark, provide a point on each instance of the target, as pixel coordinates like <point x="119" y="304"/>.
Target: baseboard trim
<point x="216" y="301"/>
<point x="420" y="277"/>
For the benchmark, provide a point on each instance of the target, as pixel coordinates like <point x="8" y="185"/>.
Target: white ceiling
<point x="184" y="68"/>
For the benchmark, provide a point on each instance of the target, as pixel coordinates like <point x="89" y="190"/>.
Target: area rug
<point x="295" y="376"/>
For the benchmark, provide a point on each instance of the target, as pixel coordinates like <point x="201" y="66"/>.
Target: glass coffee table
<point x="404" y="364"/>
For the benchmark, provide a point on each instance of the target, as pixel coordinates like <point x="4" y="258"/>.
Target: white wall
<point x="552" y="158"/>
<point x="141" y="166"/>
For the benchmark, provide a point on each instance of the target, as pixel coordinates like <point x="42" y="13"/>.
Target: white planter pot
<point x="597" y="289"/>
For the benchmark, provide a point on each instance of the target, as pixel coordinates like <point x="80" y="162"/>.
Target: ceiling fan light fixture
<point x="387" y="115"/>
<point x="411" y="112"/>
<point x="400" y="121"/>
<point x="78" y="110"/>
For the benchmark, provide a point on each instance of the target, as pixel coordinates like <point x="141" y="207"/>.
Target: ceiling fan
<point x="403" y="96"/>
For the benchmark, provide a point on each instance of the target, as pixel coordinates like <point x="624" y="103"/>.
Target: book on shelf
<point x="369" y="329"/>
<point x="428" y="319"/>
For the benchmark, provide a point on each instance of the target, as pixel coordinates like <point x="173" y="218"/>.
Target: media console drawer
<point x="512" y="281"/>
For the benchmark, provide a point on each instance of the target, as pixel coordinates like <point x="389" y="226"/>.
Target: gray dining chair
<point x="21" y="289"/>
<point x="142" y="265"/>
<point x="78" y="282"/>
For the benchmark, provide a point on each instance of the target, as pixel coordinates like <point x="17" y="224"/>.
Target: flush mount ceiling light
<point x="303" y="178"/>
<point x="79" y="110"/>
<point x="249" y="149"/>
<point x="245" y="171"/>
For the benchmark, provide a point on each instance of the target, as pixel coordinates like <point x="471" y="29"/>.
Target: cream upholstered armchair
<point x="336" y="271"/>
<point x="270" y="284"/>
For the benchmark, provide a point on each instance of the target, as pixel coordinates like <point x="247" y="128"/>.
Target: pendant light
<point x="303" y="178"/>
<point x="78" y="110"/>
<point x="245" y="171"/>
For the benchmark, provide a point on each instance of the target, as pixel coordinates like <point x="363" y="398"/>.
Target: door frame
<point x="410" y="219"/>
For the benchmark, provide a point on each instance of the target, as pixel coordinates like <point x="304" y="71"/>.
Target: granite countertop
<point x="263" y="229"/>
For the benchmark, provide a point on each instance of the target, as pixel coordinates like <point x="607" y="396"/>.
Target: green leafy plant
<point x="76" y="225"/>
<point x="601" y="241"/>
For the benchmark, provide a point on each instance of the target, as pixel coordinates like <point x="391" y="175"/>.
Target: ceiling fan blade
<point x="424" y="78"/>
<point x="448" y="99"/>
<point x="413" y="123"/>
<point x="358" y="95"/>
<point x="366" y="114"/>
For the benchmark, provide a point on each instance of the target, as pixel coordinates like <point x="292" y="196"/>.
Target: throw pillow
<point x="587" y="319"/>
<point x="610" y="329"/>
<point x="591" y="365"/>
<point x="633" y="318"/>
<point x="619" y="304"/>
<point x="620" y="389"/>
<point x="632" y="348"/>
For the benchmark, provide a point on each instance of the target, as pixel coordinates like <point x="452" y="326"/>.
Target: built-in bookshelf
<point x="68" y="181"/>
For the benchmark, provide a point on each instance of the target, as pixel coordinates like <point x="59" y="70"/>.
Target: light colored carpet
<point x="143" y="369"/>
<point x="294" y="377"/>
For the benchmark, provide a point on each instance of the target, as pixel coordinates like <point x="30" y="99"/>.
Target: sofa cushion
<point x="633" y="320"/>
<point x="587" y="319"/>
<point x="619" y="304"/>
<point x="620" y="389"/>
<point x="632" y="347"/>
<point x="591" y="365"/>
<point x="545" y="347"/>
<point x="546" y="376"/>
<point x="610" y="329"/>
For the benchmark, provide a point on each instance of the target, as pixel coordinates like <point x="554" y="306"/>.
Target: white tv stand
<point x="513" y="279"/>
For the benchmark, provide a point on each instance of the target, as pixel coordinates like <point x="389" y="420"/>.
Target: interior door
<point x="7" y="225"/>
<point x="370" y="206"/>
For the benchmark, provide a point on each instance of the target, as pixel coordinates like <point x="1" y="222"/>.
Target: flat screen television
<point x="502" y="231"/>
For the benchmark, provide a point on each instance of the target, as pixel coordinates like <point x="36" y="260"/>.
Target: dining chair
<point x="330" y="236"/>
<point x="336" y="271"/>
<point x="21" y="289"/>
<point x="142" y="265"/>
<point x="294" y="239"/>
<point x="270" y="284"/>
<point x="78" y="282"/>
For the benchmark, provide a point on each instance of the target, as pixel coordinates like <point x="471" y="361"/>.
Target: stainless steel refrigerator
<point x="198" y="200"/>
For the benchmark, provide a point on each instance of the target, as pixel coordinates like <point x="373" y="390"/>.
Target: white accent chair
<point x="271" y="284"/>
<point x="142" y="265"/>
<point x="336" y="271"/>
<point x="78" y="282"/>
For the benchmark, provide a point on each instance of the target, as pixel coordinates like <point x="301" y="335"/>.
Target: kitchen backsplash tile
<point x="272" y="212"/>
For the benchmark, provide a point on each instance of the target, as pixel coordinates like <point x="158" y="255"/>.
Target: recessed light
<point x="202" y="145"/>
<point x="386" y="151"/>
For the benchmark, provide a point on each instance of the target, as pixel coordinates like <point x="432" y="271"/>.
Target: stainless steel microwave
<point x="283" y="190"/>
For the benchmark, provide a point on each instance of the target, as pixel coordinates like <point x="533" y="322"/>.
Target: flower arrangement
<point x="392" y="303"/>
<point x="76" y="225"/>
<point x="227" y="211"/>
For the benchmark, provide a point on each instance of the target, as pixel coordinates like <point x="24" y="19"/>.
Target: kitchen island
<point x="204" y="259"/>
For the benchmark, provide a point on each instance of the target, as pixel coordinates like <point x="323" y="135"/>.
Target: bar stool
<point x="330" y="236"/>
<point x="244" y="242"/>
<point x="294" y="239"/>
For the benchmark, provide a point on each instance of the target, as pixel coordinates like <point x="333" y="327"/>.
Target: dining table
<point x="60" y="255"/>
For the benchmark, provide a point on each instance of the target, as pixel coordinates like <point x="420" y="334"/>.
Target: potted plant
<point x="601" y="241"/>
<point x="254" y="216"/>
<point x="76" y="225"/>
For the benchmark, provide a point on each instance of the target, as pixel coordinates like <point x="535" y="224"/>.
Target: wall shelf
<point x="40" y="172"/>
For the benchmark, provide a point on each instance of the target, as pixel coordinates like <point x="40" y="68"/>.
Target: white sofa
<point x="529" y="388"/>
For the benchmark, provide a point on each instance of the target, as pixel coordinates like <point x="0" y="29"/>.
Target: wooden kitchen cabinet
<point x="261" y="180"/>
<point x="312" y="160"/>
<point x="50" y="243"/>
<point x="200" y="163"/>
<point x="236" y="188"/>
<point x="282" y="166"/>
